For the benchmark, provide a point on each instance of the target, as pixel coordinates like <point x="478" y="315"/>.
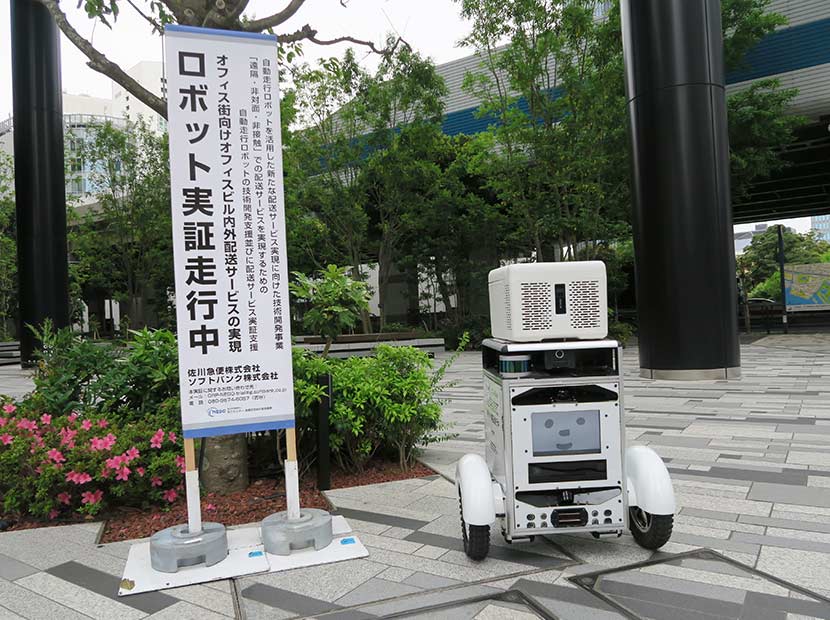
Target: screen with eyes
<point x="565" y="432"/>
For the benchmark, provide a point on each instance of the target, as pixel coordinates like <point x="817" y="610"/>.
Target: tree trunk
<point x="365" y="321"/>
<point x="225" y="468"/>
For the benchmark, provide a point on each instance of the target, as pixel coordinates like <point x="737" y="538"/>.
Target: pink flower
<point x="38" y="470"/>
<point x="155" y="440"/>
<point x="114" y="462"/>
<point x="65" y="498"/>
<point x="6" y="439"/>
<point x="170" y="495"/>
<point x="140" y="471"/>
<point x="155" y="481"/>
<point x="26" y="424"/>
<point x="56" y="456"/>
<point x="3" y="422"/>
<point x="53" y="514"/>
<point x="78" y="477"/>
<point x="68" y="437"/>
<point x="102" y="423"/>
<point x="73" y="416"/>
<point x="105" y="443"/>
<point x="91" y="497"/>
<point x="37" y="442"/>
<point x="46" y="419"/>
<point x="210" y="507"/>
<point x="123" y="473"/>
<point x="9" y="408"/>
<point x="180" y="463"/>
<point x="172" y="437"/>
<point x="132" y="454"/>
<point x="86" y="425"/>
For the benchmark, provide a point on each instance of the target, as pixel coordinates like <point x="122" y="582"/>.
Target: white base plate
<point x="246" y="556"/>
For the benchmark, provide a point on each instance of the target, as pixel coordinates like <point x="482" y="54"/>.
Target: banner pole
<point x="292" y="479"/>
<point x="191" y="475"/>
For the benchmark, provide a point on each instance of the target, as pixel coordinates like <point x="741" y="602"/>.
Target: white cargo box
<point x="539" y="301"/>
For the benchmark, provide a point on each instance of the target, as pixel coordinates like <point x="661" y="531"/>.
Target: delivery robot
<point x="555" y="455"/>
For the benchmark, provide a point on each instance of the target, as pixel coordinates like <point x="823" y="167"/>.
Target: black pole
<point x="323" y="445"/>
<point x="42" y="265"/>
<point x="685" y="260"/>
<point x="781" y="260"/>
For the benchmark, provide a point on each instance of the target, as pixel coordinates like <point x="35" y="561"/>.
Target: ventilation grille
<point x="537" y="306"/>
<point x="508" y="315"/>
<point x="583" y="304"/>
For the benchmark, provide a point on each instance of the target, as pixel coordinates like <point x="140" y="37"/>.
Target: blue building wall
<point x="805" y="46"/>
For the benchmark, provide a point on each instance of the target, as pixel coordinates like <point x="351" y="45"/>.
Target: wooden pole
<point x="292" y="479"/>
<point x="191" y="475"/>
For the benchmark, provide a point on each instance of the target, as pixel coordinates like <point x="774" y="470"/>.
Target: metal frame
<point x="588" y="581"/>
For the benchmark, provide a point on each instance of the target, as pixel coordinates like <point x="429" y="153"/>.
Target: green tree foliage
<point x="123" y="245"/>
<point x="358" y="161"/>
<point x="552" y="81"/>
<point x="327" y="220"/>
<point x="335" y="302"/>
<point x="758" y="265"/>
<point x="555" y="90"/>
<point x="8" y="249"/>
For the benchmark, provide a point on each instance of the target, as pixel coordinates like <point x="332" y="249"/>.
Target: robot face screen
<point x="557" y="433"/>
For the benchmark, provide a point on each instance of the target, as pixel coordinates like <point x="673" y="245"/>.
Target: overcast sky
<point x="433" y="27"/>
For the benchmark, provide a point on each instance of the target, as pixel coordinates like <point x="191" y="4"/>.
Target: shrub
<point x="59" y="464"/>
<point x="336" y="302"/>
<point x="127" y="381"/>
<point x="102" y="427"/>
<point x="386" y="403"/>
<point x="620" y="331"/>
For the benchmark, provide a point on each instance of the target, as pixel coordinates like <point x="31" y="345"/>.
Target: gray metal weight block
<point x="175" y="547"/>
<point x="280" y="535"/>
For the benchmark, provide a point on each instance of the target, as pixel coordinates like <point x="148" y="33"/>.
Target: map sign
<point x="807" y="286"/>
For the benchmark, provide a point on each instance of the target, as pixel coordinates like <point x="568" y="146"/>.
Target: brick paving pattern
<point x="750" y="461"/>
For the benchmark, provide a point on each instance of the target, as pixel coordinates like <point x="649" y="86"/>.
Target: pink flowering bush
<point x="70" y="464"/>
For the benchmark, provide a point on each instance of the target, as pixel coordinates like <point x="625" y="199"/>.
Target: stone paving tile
<point x="187" y="611"/>
<point x="320" y="582"/>
<point x="805" y="568"/>
<point x="206" y="598"/>
<point x="11" y="569"/>
<point x="78" y="598"/>
<point x="748" y="458"/>
<point x="393" y="573"/>
<point x="7" y="614"/>
<point x="34" y="606"/>
<point x="374" y="590"/>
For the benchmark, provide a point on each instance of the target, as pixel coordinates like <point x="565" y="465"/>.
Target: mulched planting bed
<point x="260" y="499"/>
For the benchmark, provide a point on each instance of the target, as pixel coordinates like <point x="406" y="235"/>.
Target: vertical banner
<point x="226" y="183"/>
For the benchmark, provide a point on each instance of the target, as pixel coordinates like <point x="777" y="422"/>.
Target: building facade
<point x="797" y="54"/>
<point x="821" y="226"/>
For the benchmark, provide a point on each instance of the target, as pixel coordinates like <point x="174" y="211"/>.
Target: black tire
<point x="650" y="531"/>
<point x="476" y="538"/>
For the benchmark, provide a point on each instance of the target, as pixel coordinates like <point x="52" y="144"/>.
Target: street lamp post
<point x="39" y="172"/>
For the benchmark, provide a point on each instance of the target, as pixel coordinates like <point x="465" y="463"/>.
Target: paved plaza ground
<point x="750" y="461"/>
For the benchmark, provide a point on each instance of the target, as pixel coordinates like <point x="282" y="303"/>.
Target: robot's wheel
<point x="476" y="538"/>
<point x="650" y="531"/>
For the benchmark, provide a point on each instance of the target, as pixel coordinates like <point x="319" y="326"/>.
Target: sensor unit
<point x="530" y="302"/>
